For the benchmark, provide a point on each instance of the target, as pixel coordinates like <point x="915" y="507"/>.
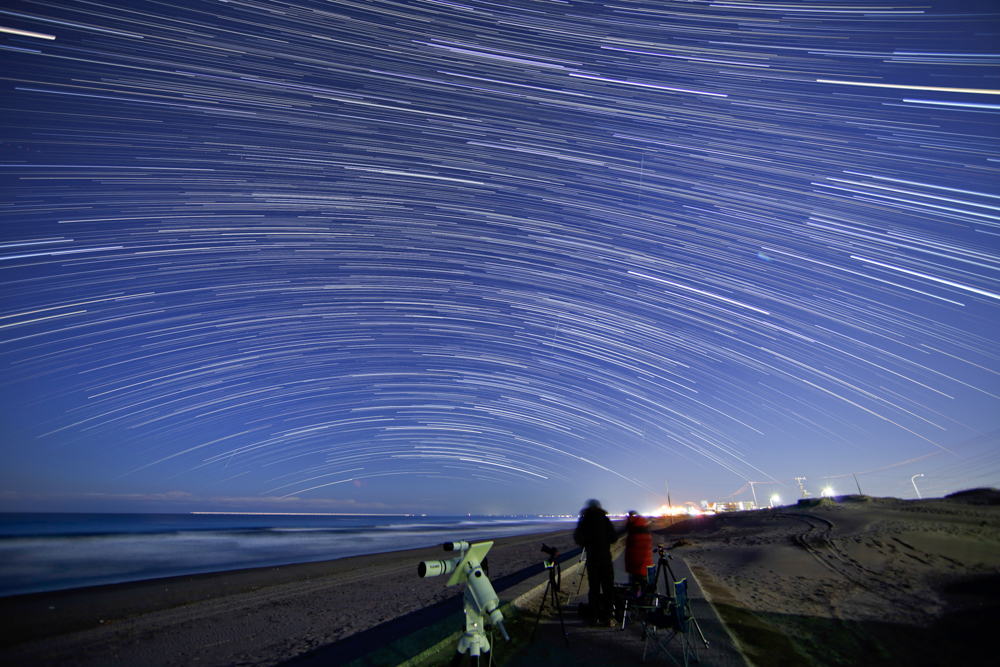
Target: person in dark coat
<point x="595" y="533"/>
<point x="638" y="548"/>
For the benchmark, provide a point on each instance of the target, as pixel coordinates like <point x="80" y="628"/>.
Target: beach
<point x="851" y="581"/>
<point x="261" y="616"/>
<point x="854" y="580"/>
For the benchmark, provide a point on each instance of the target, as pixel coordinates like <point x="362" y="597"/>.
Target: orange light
<point x="667" y="510"/>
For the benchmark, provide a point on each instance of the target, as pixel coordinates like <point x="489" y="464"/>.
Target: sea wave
<point x="87" y="550"/>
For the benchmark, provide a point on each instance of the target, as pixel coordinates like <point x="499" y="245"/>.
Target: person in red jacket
<point x="638" y="548"/>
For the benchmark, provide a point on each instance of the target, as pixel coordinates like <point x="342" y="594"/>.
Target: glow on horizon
<point x="667" y="510"/>
<point x="305" y="514"/>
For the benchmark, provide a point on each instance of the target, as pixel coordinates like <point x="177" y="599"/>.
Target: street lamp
<point x="915" y="484"/>
<point x="774" y="499"/>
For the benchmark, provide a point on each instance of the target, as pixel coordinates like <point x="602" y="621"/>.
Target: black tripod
<point x="663" y="565"/>
<point x="555" y="581"/>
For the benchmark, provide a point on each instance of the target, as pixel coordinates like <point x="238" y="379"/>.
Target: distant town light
<point x="667" y="510"/>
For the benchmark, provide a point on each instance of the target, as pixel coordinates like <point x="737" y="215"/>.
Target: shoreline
<point x="89" y="606"/>
<point x="288" y="610"/>
<point x="856" y="581"/>
<point x="49" y="552"/>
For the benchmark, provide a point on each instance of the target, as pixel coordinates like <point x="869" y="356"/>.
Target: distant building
<point x="732" y="507"/>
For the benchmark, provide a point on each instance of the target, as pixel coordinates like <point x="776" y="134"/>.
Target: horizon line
<point x="304" y="513"/>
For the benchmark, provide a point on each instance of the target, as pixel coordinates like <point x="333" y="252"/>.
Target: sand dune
<point x="854" y="581"/>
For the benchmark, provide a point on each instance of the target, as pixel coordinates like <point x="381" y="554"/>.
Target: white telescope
<point x="435" y="568"/>
<point x="480" y="599"/>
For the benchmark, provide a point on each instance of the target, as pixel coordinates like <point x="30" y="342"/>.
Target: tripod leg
<point x="670" y="570"/>
<point x="664" y="567"/>
<point x="555" y="596"/>
<point x="541" y="607"/>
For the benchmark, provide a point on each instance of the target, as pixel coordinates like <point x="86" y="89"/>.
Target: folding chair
<point x="672" y="617"/>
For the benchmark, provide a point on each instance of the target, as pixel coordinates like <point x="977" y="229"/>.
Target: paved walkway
<point x="429" y="639"/>
<point x="592" y="646"/>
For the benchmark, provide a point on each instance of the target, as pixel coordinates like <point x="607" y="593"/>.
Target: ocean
<point x="48" y="552"/>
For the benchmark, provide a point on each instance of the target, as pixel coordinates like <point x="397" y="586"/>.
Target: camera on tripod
<point x="552" y="553"/>
<point x="555" y="582"/>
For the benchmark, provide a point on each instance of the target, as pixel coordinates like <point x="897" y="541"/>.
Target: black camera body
<point x="551" y="552"/>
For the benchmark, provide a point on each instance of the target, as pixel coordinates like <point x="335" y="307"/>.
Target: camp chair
<point x="672" y="618"/>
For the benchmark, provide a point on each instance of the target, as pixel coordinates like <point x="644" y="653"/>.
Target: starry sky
<point x="495" y="257"/>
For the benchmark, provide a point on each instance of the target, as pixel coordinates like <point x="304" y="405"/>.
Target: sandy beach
<point x="263" y="616"/>
<point x="855" y="581"/>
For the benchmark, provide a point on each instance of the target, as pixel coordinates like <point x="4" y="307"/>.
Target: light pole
<point x="774" y="499"/>
<point x="915" y="484"/>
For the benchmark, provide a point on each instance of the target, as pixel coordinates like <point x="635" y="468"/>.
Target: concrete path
<point x="590" y="646"/>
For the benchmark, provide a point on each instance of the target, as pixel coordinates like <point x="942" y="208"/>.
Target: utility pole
<point x="799" y="480"/>
<point x="754" y="496"/>
<point x="857" y="482"/>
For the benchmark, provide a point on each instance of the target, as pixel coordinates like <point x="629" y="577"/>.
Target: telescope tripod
<point x="663" y="565"/>
<point x="555" y="581"/>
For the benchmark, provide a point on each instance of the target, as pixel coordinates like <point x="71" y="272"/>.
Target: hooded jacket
<point x="638" y="546"/>
<point x="595" y="533"/>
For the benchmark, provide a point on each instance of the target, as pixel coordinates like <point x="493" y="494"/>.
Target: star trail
<point x="495" y="257"/>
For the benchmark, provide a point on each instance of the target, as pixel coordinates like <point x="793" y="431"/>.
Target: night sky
<point x="495" y="257"/>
